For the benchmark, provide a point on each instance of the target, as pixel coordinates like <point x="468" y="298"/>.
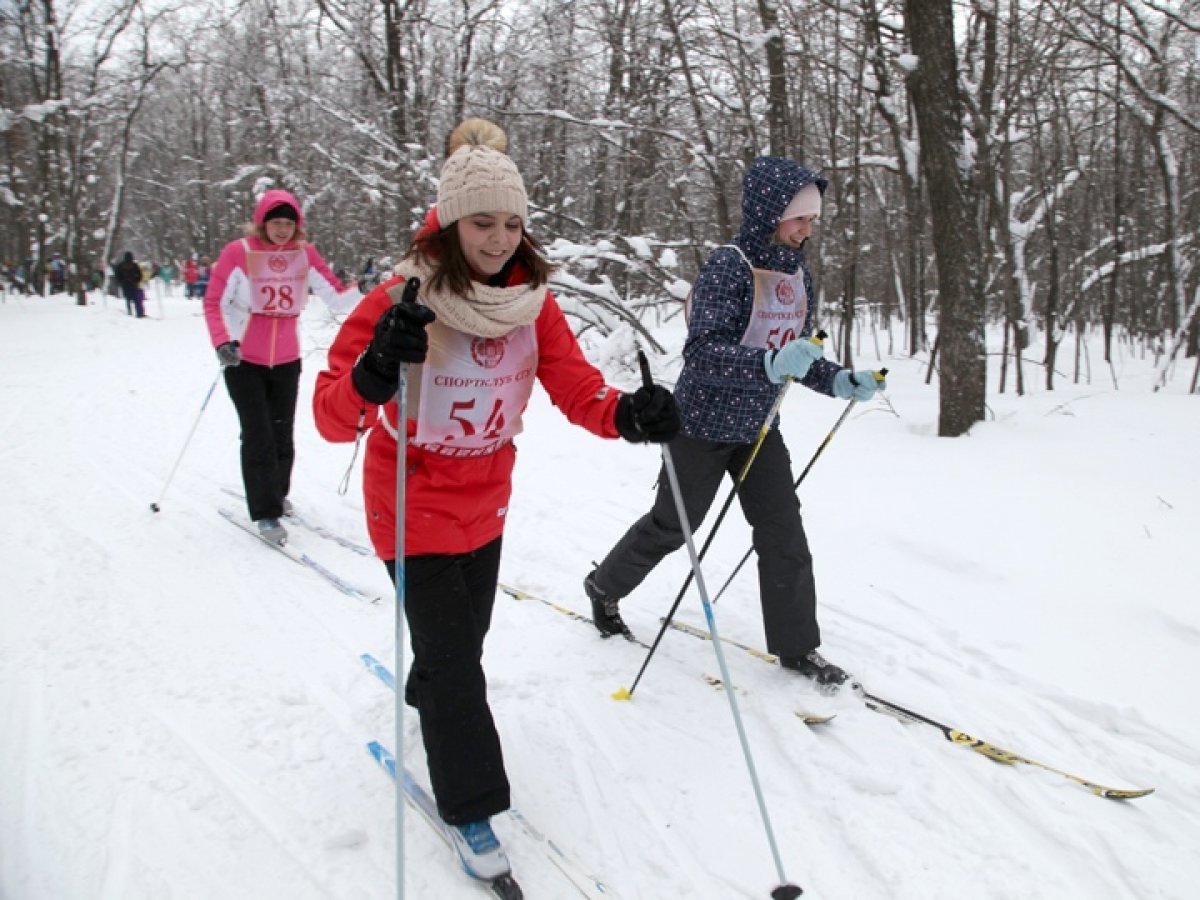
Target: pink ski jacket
<point x="266" y="340"/>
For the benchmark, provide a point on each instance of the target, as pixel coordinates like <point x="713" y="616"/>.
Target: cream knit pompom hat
<point x="476" y="179"/>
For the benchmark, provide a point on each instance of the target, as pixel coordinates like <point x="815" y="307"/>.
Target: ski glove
<point x="860" y="385"/>
<point x="648" y="414"/>
<point x="399" y="338"/>
<point x="792" y="360"/>
<point x="229" y="354"/>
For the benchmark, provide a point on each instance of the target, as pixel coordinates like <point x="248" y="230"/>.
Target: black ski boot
<point x="814" y="666"/>
<point x="606" y="610"/>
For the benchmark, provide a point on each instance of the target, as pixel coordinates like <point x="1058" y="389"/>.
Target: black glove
<point x="229" y="354"/>
<point x="399" y="338"/>
<point x="648" y="414"/>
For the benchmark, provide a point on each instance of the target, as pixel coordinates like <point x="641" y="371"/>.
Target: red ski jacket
<point x="454" y="504"/>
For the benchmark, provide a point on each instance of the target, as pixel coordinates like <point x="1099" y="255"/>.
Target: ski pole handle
<point x="819" y="340"/>
<point x="879" y="376"/>
<point x="765" y="428"/>
<point x="411" y="287"/>
<point x="647" y="379"/>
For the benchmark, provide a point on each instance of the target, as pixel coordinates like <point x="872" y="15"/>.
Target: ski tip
<point x="622" y="694"/>
<point x="786" y="892"/>
<point x="1120" y="794"/>
<point x="811" y="718"/>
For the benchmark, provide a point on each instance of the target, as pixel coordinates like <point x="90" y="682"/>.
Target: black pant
<point x="785" y="572"/>
<point x="133" y="299"/>
<point x="448" y="605"/>
<point x="265" y="398"/>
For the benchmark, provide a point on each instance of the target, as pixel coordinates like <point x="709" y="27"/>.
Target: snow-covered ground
<point x="183" y="712"/>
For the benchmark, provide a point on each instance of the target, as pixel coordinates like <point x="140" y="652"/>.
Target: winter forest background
<point x="1031" y="164"/>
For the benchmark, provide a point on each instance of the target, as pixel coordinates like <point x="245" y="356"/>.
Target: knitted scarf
<point x="490" y="312"/>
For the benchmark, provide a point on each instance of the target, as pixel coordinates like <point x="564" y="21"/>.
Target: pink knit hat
<point x="273" y="198"/>
<point x="477" y="179"/>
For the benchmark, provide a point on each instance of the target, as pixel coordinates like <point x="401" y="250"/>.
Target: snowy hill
<point x="185" y="714"/>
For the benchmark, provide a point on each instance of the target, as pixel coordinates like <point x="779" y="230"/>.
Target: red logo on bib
<point x="277" y="264"/>
<point x="487" y="352"/>
<point x="784" y="292"/>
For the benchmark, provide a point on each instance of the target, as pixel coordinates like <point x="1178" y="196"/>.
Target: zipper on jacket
<point x="274" y="338"/>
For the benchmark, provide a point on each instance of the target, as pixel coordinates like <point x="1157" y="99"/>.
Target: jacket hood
<point x="274" y="198"/>
<point x="768" y="188"/>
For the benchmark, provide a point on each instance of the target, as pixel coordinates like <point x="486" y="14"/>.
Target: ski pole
<point x="157" y="504"/>
<point x="879" y="376"/>
<point x="409" y="296"/>
<point x="818" y="338"/>
<point x="785" y="890"/>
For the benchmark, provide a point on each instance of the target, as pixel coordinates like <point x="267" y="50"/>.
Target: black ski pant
<point x="448" y="605"/>
<point x="265" y="399"/>
<point x="787" y="589"/>
<point x="133" y="300"/>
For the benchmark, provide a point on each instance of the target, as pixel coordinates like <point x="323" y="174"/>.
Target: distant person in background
<point x="370" y="276"/>
<point x="129" y="279"/>
<point x="58" y="274"/>
<point x="252" y="306"/>
<point x="27" y="275"/>
<point x="191" y="275"/>
<point x="203" y="274"/>
<point x="166" y="274"/>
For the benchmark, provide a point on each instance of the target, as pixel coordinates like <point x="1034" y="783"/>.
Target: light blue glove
<point x="860" y="385"/>
<point x="792" y="360"/>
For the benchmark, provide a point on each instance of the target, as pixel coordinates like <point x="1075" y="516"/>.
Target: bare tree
<point x="941" y="122"/>
<point x="778" y="103"/>
<point x="633" y="121"/>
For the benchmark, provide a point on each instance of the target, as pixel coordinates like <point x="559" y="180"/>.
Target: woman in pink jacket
<point x="258" y="289"/>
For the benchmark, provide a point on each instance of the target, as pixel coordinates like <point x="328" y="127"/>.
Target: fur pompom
<point x="477" y="133"/>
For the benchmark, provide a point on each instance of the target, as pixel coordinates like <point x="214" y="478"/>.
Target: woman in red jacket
<point x="486" y="329"/>
<point x="252" y="305"/>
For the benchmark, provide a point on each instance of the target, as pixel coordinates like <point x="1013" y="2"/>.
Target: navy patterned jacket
<point x="723" y="391"/>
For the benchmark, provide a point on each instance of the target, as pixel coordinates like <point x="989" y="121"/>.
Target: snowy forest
<point x="1030" y="165"/>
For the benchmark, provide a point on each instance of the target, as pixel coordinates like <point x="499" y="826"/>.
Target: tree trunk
<point x="952" y="198"/>
<point x="778" y="117"/>
<point x="709" y="160"/>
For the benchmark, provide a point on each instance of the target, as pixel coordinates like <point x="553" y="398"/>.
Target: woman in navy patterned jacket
<point x="748" y="332"/>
